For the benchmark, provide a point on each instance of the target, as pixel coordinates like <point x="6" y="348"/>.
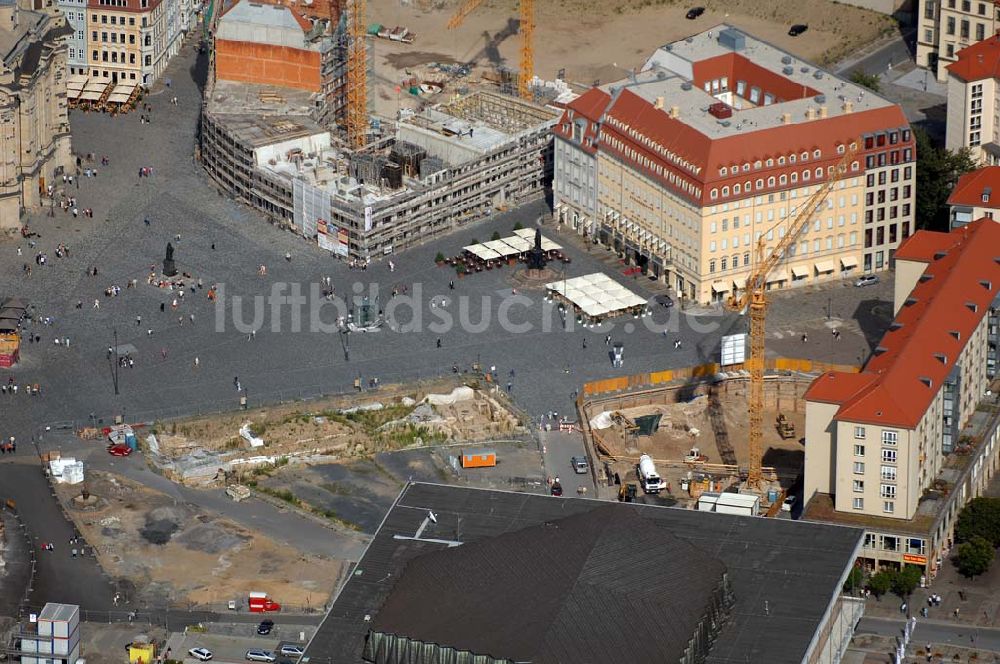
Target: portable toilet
<point x="479" y="458"/>
<point x="141" y="652"/>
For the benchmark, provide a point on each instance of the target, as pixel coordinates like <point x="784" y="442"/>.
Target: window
<point x="148" y="60"/>
<point x="724" y="263"/>
<point x="714" y="194"/>
<point x="131" y="58"/>
<point x="887" y="490"/>
<point x="711" y="265"/>
<point x="888" y="456"/>
<point x="859" y="486"/>
<point x="859" y="433"/>
<point x="888" y="506"/>
<point x="950" y="25"/>
<point x="889" y="437"/>
<point x="888" y="473"/>
<point x="93" y="35"/>
<point x="859" y="450"/>
<point x="858" y="503"/>
<point x="859" y="467"/>
<point x="963" y="32"/>
<point x="980" y="31"/>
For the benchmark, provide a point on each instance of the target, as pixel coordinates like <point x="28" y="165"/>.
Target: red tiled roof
<point x="589" y="106"/>
<point x="970" y="187"/>
<point x="736" y="67"/>
<point x="929" y="332"/>
<point x="979" y="61"/>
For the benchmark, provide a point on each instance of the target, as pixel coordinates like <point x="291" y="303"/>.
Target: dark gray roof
<point x="606" y="562"/>
<point x="784" y="574"/>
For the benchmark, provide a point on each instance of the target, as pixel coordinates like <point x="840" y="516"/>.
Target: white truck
<point x="744" y="504"/>
<point x="648" y="477"/>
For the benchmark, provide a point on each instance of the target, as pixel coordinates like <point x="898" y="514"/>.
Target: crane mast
<point x="754" y="300"/>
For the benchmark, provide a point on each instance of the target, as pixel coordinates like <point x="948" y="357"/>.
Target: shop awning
<point x="740" y="283"/>
<point x="824" y="267"/>
<point x="800" y="272"/>
<point x="775" y="277"/>
<point x="720" y="287"/>
<point x="848" y="262"/>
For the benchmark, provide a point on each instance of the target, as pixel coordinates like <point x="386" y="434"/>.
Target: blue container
<point x="772" y="496"/>
<point x="132" y="441"/>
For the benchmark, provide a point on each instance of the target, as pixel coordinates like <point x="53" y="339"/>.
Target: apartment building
<point x="976" y="195"/>
<point x="899" y="447"/>
<point x="972" y="120"/>
<point x="76" y="16"/>
<point x="34" y="124"/>
<point x="945" y="27"/>
<point x="132" y="40"/>
<point x="713" y="148"/>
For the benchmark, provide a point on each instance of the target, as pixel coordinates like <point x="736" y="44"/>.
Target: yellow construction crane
<point x="754" y="300"/>
<point x="357" y="76"/>
<point x="527" y="11"/>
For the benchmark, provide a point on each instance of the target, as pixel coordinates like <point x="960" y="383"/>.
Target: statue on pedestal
<point x="536" y="257"/>
<point x="169" y="268"/>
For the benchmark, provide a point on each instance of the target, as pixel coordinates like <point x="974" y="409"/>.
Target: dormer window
<point x="986" y="195"/>
<point x="723" y="171"/>
<point x="973" y="307"/>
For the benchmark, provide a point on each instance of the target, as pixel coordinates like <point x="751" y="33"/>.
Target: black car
<point x="695" y="12"/>
<point x="265" y="627"/>
<point x="797" y="29"/>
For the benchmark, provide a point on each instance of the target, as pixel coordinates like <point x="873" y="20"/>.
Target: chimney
<point x="848" y="107"/>
<point x="810" y="113"/>
<point x="675" y="112"/>
<point x="822" y="111"/>
<point x="659" y="104"/>
<point x="786" y="118"/>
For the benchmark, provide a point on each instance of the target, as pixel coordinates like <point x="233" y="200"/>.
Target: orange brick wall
<point x="267" y="65"/>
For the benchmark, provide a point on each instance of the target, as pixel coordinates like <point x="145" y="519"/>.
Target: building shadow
<point x="873" y="317"/>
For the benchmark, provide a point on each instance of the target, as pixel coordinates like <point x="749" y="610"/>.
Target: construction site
<point x="697" y="433"/>
<point x="368" y="139"/>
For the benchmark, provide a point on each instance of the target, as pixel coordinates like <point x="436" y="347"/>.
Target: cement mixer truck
<point x="648" y="477"/>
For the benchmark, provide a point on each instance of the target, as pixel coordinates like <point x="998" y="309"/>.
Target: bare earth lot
<point x="177" y="553"/>
<point x="597" y="40"/>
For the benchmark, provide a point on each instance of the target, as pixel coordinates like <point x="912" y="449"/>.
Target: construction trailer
<point x="479" y="458"/>
<point x="744" y="504"/>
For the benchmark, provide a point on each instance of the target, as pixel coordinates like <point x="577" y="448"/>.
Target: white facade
<point x="76" y="16"/>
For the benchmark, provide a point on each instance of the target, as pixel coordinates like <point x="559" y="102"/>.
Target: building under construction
<point x="426" y="174"/>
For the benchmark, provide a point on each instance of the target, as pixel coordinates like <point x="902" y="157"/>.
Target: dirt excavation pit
<point x="143" y="537"/>
<point x="347" y="426"/>
<point x="712" y="418"/>
<point x="589" y="40"/>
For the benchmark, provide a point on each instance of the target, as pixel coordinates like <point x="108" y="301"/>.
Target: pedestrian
<point x="97" y="304"/>
<point x="509" y="386"/>
<point x="191" y="317"/>
<point x="163" y="306"/>
<point x="236" y="382"/>
<point x="163" y="353"/>
<point x="138" y="321"/>
<point x="585" y="343"/>
<point x="607" y="340"/>
<point x="439" y="343"/>
<point x="805" y="337"/>
<point x="197" y="363"/>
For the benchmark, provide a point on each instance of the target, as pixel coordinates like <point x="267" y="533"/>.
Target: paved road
<point x="896" y="51"/>
<point x="935" y="632"/>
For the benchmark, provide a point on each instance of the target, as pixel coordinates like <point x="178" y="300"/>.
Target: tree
<point x="980" y="518"/>
<point x="518" y="226"/>
<point x="974" y="557"/>
<point x="906" y="580"/>
<point x="880" y="583"/>
<point x="870" y="81"/>
<point x="496" y="235"/>
<point x="938" y="170"/>
<point x="855" y="580"/>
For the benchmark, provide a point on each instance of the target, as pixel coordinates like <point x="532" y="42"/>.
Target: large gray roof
<point x="606" y="562"/>
<point x="784" y="574"/>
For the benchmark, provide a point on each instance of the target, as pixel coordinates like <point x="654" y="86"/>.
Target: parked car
<point x="291" y="650"/>
<point x="265" y="627"/>
<point x="579" y="464"/>
<point x="258" y="655"/>
<point x="797" y="29"/>
<point x="866" y="280"/>
<point x="119" y="450"/>
<point x="201" y="654"/>
<point x="694" y="13"/>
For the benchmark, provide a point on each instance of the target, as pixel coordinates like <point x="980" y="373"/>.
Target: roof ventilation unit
<point x="788" y="71"/>
<point x="660" y="75"/>
<point x="733" y="39"/>
<point x="804" y="70"/>
<point x="725" y="123"/>
<point x="786" y="59"/>
<point x="686" y="85"/>
<point x="818" y="74"/>
<point x="820" y="99"/>
<point x="721" y="110"/>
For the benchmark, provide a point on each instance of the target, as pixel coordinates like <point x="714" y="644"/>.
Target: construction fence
<point x="701" y="371"/>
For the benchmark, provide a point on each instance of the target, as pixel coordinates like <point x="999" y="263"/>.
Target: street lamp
<point x="829" y="307"/>
<point x="114" y="369"/>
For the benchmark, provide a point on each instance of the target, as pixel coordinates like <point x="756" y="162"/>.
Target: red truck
<point x="260" y="603"/>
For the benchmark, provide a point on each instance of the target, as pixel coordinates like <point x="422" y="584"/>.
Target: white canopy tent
<point x="482" y="252"/>
<point x="597" y="296"/>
